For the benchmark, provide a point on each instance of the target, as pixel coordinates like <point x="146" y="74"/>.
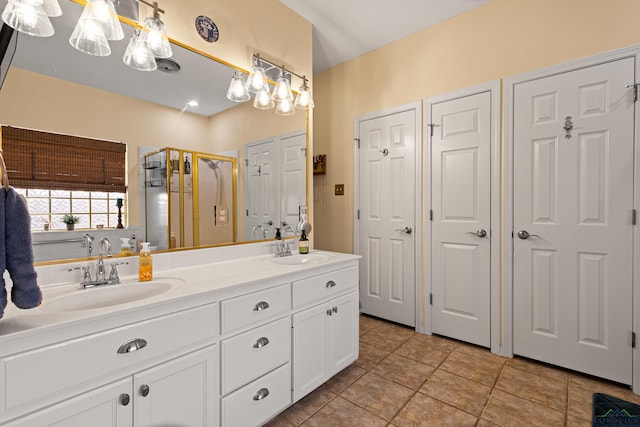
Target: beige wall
<point x="494" y="41"/>
<point x="247" y="26"/>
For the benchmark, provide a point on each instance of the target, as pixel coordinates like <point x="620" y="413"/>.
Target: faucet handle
<point x="113" y="274"/>
<point x="86" y="275"/>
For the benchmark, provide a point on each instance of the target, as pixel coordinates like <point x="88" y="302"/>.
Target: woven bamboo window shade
<point x="53" y="161"/>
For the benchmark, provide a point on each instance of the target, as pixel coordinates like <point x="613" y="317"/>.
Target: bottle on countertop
<point x="146" y="264"/>
<point x="133" y="245"/>
<point x="125" y="249"/>
<point x="172" y="242"/>
<point x="303" y="244"/>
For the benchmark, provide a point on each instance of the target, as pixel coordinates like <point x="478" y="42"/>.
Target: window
<point x="92" y="207"/>
<point x="64" y="174"/>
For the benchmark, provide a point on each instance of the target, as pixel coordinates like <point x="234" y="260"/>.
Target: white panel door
<point x="344" y="332"/>
<point x="461" y="204"/>
<point x="387" y="211"/>
<point x="260" y="189"/>
<point x="294" y="178"/>
<point x="573" y="236"/>
<point x="108" y="406"/>
<point x="179" y="393"/>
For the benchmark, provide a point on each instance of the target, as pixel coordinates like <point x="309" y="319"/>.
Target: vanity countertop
<point x="190" y="286"/>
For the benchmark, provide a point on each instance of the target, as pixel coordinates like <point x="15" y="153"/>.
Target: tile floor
<point x="407" y="379"/>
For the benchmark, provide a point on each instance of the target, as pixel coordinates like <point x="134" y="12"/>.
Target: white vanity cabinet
<point x="159" y="371"/>
<point x="175" y="393"/>
<point x="325" y="334"/>
<point x="255" y="376"/>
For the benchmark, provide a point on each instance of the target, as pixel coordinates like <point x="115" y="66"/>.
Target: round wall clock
<point x="207" y="29"/>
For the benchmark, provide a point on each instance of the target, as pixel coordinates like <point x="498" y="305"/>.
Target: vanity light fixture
<point x="303" y="99"/>
<point x="138" y="55"/>
<point x="29" y="17"/>
<point x="263" y="73"/>
<point x="51" y="8"/>
<point x="154" y="34"/>
<point x="237" y="89"/>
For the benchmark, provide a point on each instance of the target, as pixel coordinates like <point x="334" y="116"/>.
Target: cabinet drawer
<point x="255" y="307"/>
<point x="259" y="401"/>
<point x="324" y="285"/>
<point x="252" y="354"/>
<point x="45" y="371"/>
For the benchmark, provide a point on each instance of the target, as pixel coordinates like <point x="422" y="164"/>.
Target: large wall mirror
<point x="52" y="87"/>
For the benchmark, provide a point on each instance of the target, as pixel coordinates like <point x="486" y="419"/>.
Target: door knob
<point x="407" y="230"/>
<point x="524" y="234"/>
<point x="480" y="233"/>
<point x="144" y="390"/>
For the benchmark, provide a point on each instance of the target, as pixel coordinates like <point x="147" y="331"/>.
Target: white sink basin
<point x="302" y="259"/>
<point x="108" y="295"/>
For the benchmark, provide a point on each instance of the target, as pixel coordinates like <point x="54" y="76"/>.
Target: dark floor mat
<point x="610" y="411"/>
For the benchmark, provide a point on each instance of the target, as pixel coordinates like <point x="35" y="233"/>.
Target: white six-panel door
<point x="461" y="224"/>
<point x="294" y="178"/>
<point x="260" y="188"/>
<point x="573" y="139"/>
<point x="387" y="216"/>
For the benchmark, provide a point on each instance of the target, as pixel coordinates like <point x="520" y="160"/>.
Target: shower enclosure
<point x="190" y="198"/>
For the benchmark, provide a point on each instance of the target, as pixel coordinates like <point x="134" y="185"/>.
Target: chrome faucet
<point x="261" y="228"/>
<point x="100" y="271"/>
<point x="282" y="246"/>
<point x="87" y="241"/>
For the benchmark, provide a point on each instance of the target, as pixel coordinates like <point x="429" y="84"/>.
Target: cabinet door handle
<point x="335" y="309"/>
<point x="144" y="390"/>
<point x="262" y="305"/>
<point x="124" y="399"/>
<point x="261" y="394"/>
<point x="132" y="345"/>
<point x="329" y="313"/>
<point x="330" y="284"/>
<point x="261" y="342"/>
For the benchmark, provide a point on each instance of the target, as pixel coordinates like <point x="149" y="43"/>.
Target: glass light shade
<point x="237" y="90"/>
<point x="284" y="107"/>
<point x="51" y="8"/>
<point x="154" y="34"/>
<point x="138" y="55"/>
<point x="263" y="99"/>
<point x="257" y="80"/>
<point x="282" y="90"/>
<point x="105" y="12"/>
<point x="28" y="17"/>
<point x="88" y="37"/>
<point x="303" y="99"/>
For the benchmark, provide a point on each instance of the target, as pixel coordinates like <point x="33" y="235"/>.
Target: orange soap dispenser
<point x="146" y="263"/>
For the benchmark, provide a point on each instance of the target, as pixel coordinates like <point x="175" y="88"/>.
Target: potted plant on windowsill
<point x="71" y="221"/>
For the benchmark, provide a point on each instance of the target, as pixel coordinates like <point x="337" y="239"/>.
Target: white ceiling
<point x="345" y="29"/>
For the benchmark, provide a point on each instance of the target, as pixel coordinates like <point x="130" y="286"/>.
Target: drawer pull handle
<point x="133" y="345"/>
<point x="144" y="390"/>
<point x="261" y="342"/>
<point x="262" y="305"/>
<point x="261" y="394"/>
<point x="124" y="399"/>
<point x="330" y="284"/>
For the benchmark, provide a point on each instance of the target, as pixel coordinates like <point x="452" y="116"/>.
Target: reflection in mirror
<point x="189" y="199"/>
<point x="52" y="87"/>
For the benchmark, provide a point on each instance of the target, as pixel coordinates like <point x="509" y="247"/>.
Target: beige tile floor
<point x="407" y="379"/>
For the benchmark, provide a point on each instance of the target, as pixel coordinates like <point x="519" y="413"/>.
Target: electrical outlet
<point x="339" y="190"/>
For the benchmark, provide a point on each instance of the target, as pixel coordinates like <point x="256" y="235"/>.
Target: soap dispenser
<point x="146" y="264"/>
<point x="125" y="249"/>
<point x="303" y="244"/>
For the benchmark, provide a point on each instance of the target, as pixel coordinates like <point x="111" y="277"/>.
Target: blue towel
<point x="16" y="254"/>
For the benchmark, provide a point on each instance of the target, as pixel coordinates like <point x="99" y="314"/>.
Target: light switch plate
<point x="339" y="190"/>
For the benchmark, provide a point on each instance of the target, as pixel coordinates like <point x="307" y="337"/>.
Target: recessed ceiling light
<point x="193" y="103"/>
